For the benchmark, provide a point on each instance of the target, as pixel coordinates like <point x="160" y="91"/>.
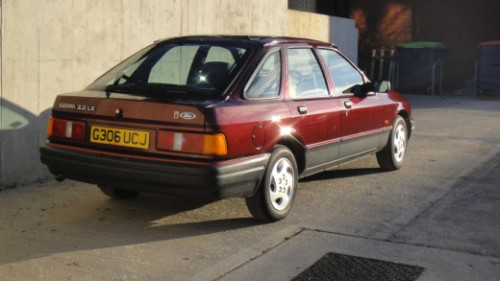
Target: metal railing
<point x="384" y="66"/>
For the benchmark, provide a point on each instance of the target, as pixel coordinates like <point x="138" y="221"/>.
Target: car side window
<point x="306" y="79"/>
<point x="344" y="75"/>
<point x="267" y="82"/>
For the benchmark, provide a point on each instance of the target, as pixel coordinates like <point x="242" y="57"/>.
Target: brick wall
<point x="460" y="24"/>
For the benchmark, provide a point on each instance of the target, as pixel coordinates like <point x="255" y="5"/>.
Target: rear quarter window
<point x="267" y="81"/>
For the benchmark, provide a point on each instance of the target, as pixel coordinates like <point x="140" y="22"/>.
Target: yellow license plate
<point x="120" y="137"/>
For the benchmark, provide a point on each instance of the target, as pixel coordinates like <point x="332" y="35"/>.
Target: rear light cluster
<point x="66" y="129"/>
<point x="193" y="143"/>
<point x="208" y="144"/>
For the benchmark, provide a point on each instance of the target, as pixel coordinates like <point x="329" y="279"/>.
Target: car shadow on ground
<point x="71" y="216"/>
<point x="187" y="213"/>
<point x="84" y="219"/>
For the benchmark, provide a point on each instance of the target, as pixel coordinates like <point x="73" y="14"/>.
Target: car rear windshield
<point x="175" y="69"/>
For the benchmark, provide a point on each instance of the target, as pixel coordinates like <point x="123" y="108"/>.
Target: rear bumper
<point x="214" y="180"/>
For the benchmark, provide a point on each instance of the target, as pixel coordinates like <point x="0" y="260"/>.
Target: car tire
<point x="118" y="193"/>
<point x="276" y="193"/>
<point x="392" y="156"/>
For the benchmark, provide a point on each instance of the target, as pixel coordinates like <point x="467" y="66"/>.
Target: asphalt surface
<point x="439" y="212"/>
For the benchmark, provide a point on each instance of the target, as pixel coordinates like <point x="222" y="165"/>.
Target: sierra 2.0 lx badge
<point x="79" y="107"/>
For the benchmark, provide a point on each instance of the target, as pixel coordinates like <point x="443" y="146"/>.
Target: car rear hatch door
<point x="125" y="123"/>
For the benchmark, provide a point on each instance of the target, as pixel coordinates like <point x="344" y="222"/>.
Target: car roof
<point x="249" y="39"/>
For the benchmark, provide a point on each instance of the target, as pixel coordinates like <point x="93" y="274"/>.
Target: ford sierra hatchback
<point x="224" y="116"/>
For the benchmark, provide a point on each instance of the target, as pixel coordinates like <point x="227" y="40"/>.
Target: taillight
<point x="208" y="144"/>
<point x="61" y="128"/>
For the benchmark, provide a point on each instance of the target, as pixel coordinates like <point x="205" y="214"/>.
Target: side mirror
<point x="378" y="86"/>
<point x="363" y="90"/>
<point x="383" y="86"/>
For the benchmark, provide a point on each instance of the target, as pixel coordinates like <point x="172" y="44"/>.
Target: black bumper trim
<point x="237" y="179"/>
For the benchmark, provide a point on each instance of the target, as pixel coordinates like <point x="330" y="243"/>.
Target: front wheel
<point x="392" y="156"/>
<point x="276" y="194"/>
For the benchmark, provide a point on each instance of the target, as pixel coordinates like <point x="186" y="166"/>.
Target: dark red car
<point x="224" y="116"/>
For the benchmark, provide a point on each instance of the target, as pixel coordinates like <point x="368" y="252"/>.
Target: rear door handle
<point x="348" y="104"/>
<point x="302" y="109"/>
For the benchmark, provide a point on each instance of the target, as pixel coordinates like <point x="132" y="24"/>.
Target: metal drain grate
<point x="338" y="267"/>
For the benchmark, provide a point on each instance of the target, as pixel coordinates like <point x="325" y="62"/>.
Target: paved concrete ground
<point x="440" y="211"/>
<point x="457" y="238"/>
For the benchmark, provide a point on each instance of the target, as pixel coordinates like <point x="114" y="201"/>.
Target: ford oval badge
<point x="187" y="115"/>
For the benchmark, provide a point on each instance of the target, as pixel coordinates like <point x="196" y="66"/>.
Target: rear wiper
<point x="129" y="79"/>
<point x="177" y="89"/>
<point x="116" y="85"/>
<point x="156" y="90"/>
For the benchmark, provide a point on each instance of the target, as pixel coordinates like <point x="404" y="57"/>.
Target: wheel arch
<point x="297" y="148"/>
<point x="404" y="114"/>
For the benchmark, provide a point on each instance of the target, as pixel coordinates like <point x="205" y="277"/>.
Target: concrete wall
<point x="342" y="31"/>
<point x="49" y="47"/>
